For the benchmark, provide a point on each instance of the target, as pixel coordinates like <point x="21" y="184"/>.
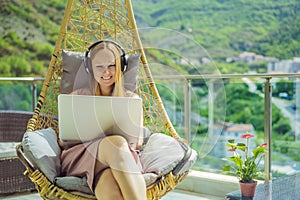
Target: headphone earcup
<point x="88" y="65"/>
<point x="124" y="62"/>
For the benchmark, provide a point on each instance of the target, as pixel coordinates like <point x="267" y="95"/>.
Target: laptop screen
<point x="83" y="118"/>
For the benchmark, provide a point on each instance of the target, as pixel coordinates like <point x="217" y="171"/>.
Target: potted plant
<point x="246" y="164"/>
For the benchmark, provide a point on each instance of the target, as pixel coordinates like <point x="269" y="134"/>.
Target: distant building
<point x="284" y="66"/>
<point x="236" y="130"/>
<point x="250" y="57"/>
<point x="231" y="131"/>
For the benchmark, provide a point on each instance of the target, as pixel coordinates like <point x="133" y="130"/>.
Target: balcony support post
<point x="187" y="109"/>
<point x="268" y="127"/>
<point x="33" y="95"/>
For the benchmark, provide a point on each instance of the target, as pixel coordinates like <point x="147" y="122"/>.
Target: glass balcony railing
<point x="209" y="109"/>
<point x="19" y="93"/>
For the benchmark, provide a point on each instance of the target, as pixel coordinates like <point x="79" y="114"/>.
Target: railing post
<point x="268" y="128"/>
<point x="211" y="101"/>
<point x="33" y="94"/>
<point x="187" y="109"/>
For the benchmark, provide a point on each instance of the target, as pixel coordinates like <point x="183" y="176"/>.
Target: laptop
<point x="83" y="118"/>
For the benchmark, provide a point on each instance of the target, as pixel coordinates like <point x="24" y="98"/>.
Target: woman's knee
<point x="113" y="147"/>
<point x="114" y="142"/>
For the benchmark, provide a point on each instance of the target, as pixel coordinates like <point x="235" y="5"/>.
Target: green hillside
<point x="267" y="27"/>
<point x="29" y="29"/>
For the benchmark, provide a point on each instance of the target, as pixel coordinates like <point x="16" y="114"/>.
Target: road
<point x="281" y="104"/>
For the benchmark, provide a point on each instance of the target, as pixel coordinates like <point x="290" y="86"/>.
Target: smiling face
<point x="104" y="68"/>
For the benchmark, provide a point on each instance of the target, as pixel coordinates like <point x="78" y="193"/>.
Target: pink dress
<point x="80" y="161"/>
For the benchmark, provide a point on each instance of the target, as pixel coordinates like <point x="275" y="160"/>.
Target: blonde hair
<point x="119" y="81"/>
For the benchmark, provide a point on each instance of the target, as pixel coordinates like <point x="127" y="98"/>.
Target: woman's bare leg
<point x="113" y="152"/>
<point x="107" y="188"/>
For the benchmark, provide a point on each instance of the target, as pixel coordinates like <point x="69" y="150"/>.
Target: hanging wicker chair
<point x="85" y="22"/>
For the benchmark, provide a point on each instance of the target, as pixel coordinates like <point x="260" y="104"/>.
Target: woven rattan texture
<point x="12" y="178"/>
<point x="13" y="125"/>
<point x="12" y="128"/>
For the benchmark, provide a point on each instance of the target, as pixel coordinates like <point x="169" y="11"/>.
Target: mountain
<point x="266" y="27"/>
<point x="29" y="29"/>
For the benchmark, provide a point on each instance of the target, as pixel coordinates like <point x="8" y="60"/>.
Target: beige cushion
<point x="74" y="75"/>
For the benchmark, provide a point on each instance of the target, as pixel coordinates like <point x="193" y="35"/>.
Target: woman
<point x="110" y="165"/>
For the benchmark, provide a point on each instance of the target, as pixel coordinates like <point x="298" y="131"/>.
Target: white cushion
<point x="150" y="178"/>
<point x="74" y="75"/>
<point x="189" y="163"/>
<point x="161" y="154"/>
<point x="43" y="151"/>
<point x="8" y="149"/>
<point x="73" y="183"/>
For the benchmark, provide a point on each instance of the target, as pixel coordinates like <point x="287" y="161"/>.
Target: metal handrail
<point x="227" y="76"/>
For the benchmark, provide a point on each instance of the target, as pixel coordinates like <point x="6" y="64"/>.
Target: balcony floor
<point x="175" y="194"/>
<point x="185" y="195"/>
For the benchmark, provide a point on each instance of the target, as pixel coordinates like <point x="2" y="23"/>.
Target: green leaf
<point x="231" y="141"/>
<point x="241" y="146"/>
<point x="258" y="151"/>
<point x="237" y="160"/>
<point x="226" y="168"/>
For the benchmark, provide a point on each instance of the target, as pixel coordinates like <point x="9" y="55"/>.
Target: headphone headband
<point x="108" y="41"/>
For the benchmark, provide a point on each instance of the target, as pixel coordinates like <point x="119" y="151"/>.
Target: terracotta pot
<point x="248" y="189"/>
